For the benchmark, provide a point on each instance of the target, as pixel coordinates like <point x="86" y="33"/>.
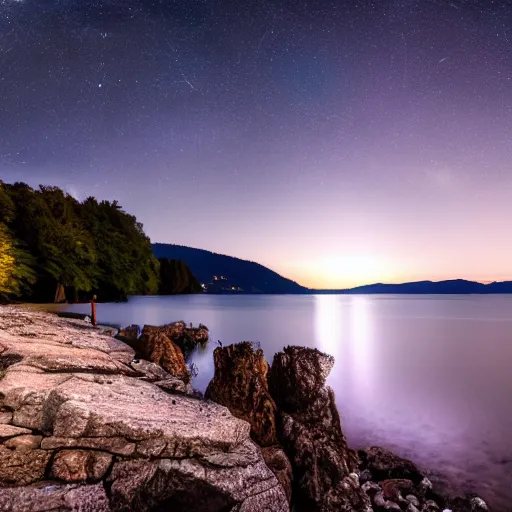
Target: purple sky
<point x="339" y="143"/>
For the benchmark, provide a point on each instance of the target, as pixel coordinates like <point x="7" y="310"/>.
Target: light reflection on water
<point x="426" y="375"/>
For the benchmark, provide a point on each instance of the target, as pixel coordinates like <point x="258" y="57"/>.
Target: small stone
<point x="412" y="508"/>
<point x="425" y="485"/>
<point x="80" y="465"/>
<point x="370" y="488"/>
<point x="379" y="500"/>
<point x="365" y="476"/>
<point x="412" y="499"/>
<point x="478" y="505"/>
<point x="430" y="506"/>
<point x="24" y="442"/>
<point x="7" y="431"/>
<point x="392" y="505"/>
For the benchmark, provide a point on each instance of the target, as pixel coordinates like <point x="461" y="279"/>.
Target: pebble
<point x="478" y="505"/>
<point x="413" y="500"/>
<point x="365" y="476"/>
<point x="379" y="499"/>
<point x="391" y="505"/>
<point x="370" y="488"/>
<point x="425" y="485"/>
<point x="430" y="506"/>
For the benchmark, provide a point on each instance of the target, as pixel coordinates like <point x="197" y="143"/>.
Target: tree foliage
<point x="176" y="278"/>
<point x="49" y="240"/>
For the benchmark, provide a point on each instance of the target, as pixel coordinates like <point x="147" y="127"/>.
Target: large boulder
<point x="311" y="434"/>
<point x="240" y="384"/>
<point x="158" y="348"/>
<point x="78" y="413"/>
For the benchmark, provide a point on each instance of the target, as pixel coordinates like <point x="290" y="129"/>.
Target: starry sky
<point x="337" y="142"/>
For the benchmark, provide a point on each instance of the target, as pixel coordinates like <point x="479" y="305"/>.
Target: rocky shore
<point x="90" y="422"/>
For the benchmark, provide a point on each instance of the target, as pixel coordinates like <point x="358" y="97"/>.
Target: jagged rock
<point x="240" y="384"/>
<point x="278" y="463"/>
<point x="80" y="465"/>
<point x="24" y="442"/>
<point x="310" y="432"/>
<point x="7" y="431"/>
<point x="160" y="349"/>
<point x="385" y="465"/>
<point x="298" y="374"/>
<point x="22" y="467"/>
<point x="392" y="505"/>
<point x="51" y="497"/>
<point x="115" y="445"/>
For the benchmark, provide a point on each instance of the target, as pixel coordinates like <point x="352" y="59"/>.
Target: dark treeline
<point x="55" y="248"/>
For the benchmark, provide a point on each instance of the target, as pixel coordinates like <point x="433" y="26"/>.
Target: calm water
<point x="428" y="376"/>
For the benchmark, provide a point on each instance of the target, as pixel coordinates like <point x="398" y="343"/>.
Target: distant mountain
<point x="241" y="276"/>
<point x="454" y="286"/>
<point x="226" y="274"/>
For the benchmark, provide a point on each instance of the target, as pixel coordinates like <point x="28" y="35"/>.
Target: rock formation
<point x="83" y="428"/>
<point x="310" y="432"/>
<point x="153" y="345"/>
<point x="240" y="383"/>
<point x="158" y="348"/>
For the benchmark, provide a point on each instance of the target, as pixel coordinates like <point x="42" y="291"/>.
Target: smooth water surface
<point x="428" y="376"/>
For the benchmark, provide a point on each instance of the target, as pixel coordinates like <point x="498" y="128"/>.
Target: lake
<point x="427" y="376"/>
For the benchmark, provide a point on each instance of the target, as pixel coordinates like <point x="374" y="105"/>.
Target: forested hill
<point x="55" y="248"/>
<point x="233" y="275"/>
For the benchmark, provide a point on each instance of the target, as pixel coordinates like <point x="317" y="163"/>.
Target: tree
<point x="54" y="247"/>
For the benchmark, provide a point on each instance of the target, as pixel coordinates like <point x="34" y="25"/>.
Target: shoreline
<point x="36" y="319"/>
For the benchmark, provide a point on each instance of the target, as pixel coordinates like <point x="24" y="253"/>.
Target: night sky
<point x="339" y="143"/>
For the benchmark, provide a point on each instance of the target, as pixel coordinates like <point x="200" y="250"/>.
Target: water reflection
<point x="328" y="324"/>
<point x="359" y="340"/>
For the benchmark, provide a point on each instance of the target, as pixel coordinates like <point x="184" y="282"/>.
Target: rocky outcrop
<point x="186" y="337"/>
<point x="78" y="410"/>
<point x="240" y="383"/>
<point x="166" y="345"/>
<point x="158" y="348"/>
<point x="310" y="432"/>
